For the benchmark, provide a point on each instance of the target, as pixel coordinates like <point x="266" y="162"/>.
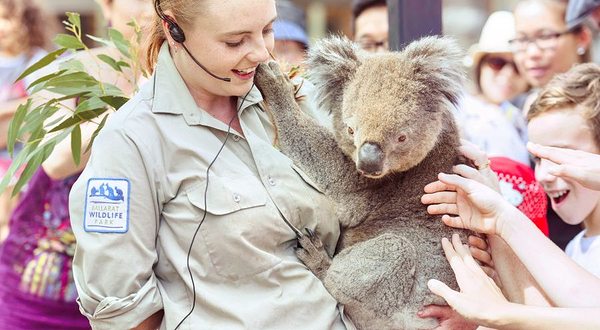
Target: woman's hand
<point x="581" y="166"/>
<point x="479" y="159"/>
<point x="480" y="300"/>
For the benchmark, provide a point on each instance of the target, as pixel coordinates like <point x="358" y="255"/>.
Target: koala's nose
<point x="370" y="159"/>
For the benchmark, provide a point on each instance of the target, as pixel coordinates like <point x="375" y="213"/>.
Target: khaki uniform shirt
<point x="136" y="207"/>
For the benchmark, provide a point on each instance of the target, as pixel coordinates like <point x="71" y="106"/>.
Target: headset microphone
<point x="179" y="36"/>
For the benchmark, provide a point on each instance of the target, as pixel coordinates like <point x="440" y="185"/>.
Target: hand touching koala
<point x="393" y="133"/>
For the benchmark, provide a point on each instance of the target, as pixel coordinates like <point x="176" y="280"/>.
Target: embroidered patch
<point x="107" y="206"/>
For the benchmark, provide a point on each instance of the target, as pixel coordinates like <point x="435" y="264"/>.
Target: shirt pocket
<point x="239" y="232"/>
<point x="306" y="178"/>
<point x="320" y="216"/>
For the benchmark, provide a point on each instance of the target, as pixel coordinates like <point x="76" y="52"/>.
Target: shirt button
<point x="237" y="198"/>
<point x="236" y="138"/>
<point x="271" y="181"/>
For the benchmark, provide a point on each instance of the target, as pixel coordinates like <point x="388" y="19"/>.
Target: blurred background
<point x="462" y="19"/>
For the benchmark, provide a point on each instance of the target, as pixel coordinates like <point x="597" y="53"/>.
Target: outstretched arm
<point x="481" y="301"/>
<point x="518" y="285"/>
<point x="485" y="211"/>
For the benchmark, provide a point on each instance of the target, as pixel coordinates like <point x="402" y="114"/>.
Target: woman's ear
<point x="584" y="38"/>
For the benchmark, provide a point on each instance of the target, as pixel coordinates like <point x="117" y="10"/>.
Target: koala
<point x="393" y="132"/>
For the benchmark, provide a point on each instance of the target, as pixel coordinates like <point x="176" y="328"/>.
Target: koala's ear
<point x="437" y="62"/>
<point x="333" y="62"/>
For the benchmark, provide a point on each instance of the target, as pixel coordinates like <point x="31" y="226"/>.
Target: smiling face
<point x="542" y="18"/>
<point x="571" y="201"/>
<point x="230" y="47"/>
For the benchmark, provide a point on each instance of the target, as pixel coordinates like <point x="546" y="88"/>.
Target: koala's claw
<point x="313" y="254"/>
<point x="271" y="81"/>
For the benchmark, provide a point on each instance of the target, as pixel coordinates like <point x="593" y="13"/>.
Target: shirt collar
<point x="171" y="94"/>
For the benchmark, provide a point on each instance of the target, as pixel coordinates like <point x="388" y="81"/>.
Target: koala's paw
<point x="272" y="82"/>
<point x="313" y="254"/>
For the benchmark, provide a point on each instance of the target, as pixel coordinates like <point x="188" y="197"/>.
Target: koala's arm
<point x="311" y="146"/>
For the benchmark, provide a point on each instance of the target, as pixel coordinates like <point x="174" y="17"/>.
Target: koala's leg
<point x="300" y="137"/>
<point x="313" y="254"/>
<point x="374" y="280"/>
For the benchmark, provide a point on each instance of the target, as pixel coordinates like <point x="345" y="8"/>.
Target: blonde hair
<point x="185" y="13"/>
<point x="577" y="89"/>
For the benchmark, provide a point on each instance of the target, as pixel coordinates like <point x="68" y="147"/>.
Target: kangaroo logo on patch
<point x="107" y="206"/>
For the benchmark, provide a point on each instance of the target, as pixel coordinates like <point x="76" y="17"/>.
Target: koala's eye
<point x="350" y="130"/>
<point x="402" y="138"/>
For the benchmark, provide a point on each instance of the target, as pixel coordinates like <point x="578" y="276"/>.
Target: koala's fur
<point x="399" y="103"/>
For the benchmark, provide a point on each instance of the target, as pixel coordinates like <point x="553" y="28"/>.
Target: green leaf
<point x="92" y="103"/>
<point x="78" y="119"/>
<point x="96" y="132"/>
<point x="74" y="19"/>
<point x="15" y="125"/>
<point x="38" y="157"/>
<point x="76" y="144"/>
<point x="36" y="118"/>
<point x="42" y="63"/>
<point x="115" y="101"/>
<point x="72" y="65"/>
<point x="100" y="40"/>
<point x="68" y="41"/>
<point x="15" y="166"/>
<point x="45" y="78"/>
<point x="76" y="79"/>
<point x="110" y="61"/>
<point x="122" y="45"/>
<point x="124" y="64"/>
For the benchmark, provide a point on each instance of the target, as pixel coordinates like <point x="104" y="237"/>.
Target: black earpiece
<point x="175" y="31"/>
<point x="178" y="35"/>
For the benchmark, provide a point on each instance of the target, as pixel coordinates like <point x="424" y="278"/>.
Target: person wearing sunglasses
<point x="495" y="73"/>
<point x="487" y="119"/>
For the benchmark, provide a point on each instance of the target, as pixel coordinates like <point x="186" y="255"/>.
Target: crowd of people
<point x="180" y="256"/>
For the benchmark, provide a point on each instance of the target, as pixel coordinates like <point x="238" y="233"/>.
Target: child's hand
<point x="581" y="166"/>
<point x="478" y="207"/>
<point x="480" y="250"/>
<point x="480" y="300"/>
<point x="448" y="318"/>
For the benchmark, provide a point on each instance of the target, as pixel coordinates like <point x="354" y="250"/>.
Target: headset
<point x="178" y="35"/>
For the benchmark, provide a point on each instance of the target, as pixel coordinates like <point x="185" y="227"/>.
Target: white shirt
<point x="486" y="126"/>
<point x="585" y="251"/>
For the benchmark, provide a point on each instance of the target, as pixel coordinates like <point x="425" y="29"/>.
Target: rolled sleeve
<point x="113" y="272"/>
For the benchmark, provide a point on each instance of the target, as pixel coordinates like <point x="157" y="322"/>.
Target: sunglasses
<point x="497" y="63"/>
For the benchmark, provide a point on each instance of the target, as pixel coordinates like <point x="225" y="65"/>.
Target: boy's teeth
<point x="557" y="194"/>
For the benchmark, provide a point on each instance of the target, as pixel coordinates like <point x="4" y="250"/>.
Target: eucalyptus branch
<point x="36" y="125"/>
